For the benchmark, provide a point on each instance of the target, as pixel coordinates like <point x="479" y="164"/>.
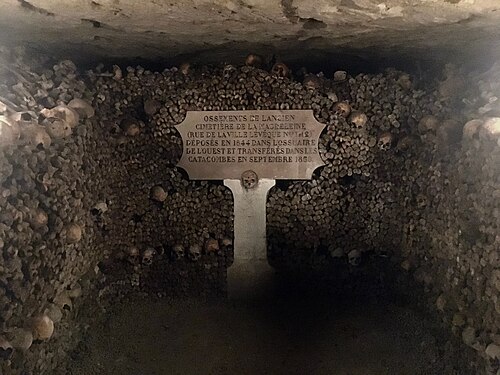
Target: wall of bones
<point x="90" y="195"/>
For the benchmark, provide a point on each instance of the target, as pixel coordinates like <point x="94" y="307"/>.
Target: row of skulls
<point x="192" y="252"/>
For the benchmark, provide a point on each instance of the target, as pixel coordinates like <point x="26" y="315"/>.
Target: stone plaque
<point x="276" y="144"/>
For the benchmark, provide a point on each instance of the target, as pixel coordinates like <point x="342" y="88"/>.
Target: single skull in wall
<point x="194" y="252"/>
<point x="249" y="179"/>
<point x="178" y="251"/>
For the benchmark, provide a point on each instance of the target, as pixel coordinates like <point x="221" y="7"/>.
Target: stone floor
<point x="290" y="333"/>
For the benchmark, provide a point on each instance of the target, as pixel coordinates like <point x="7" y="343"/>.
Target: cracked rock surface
<point x="294" y="29"/>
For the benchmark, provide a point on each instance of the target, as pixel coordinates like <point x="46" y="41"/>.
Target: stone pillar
<point x="250" y="276"/>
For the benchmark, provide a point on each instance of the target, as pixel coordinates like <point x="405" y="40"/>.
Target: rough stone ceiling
<point x="295" y="30"/>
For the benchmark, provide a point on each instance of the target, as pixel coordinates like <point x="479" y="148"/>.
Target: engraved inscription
<point x="278" y="144"/>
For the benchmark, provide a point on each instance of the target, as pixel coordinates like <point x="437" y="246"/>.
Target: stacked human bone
<point x="399" y="181"/>
<point x="156" y="207"/>
<point x="48" y="184"/>
<point x="381" y="132"/>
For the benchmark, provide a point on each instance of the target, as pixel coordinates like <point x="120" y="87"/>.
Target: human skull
<point x="39" y="218"/>
<point x="212" y="246"/>
<point x="249" y="179"/>
<point x="117" y="73"/>
<point x="178" y="251"/>
<point x="113" y="127"/>
<point x="333" y="96"/>
<point x="135" y="280"/>
<point x="99" y="209"/>
<point x="75" y="291"/>
<point x="53" y="312"/>
<point x="73" y="233"/>
<point x="148" y="255"/>
<point x="121" y="142"/>
<point x="340" y="75"/>
<point x="253" y="60"/>
<point x="471" y="129"/>
<point x="194" y="252"/>
<point x="63" y="301"/>
<point x="133" y="254"/>
<point x="404" y="81"/>
<point x="311" y="82"/>
<point x="65" y="67"/>
<point x="185" y="68"/>
<point x="427" y="124"/>
<point x="130" y="127"/>
<point x="158" y="193"/>
<point x="406" y="143"/>
<point x="36" y="135"/>
<point x="132" y="130"/>
<point x="226" y="242"/>
<point x="151" y="106"/>
<point x="280" y="69"/>
<point x="421" y="201"/>
<point x="41" y="138"/>
<point x="228" y="69"/>
<point x="385" y="141"/>
<point x="82" y="107"/>
<point x="358" y="119"/>
<point x="42" y="327"/>
<point x="342" y="108"/>
<point x="354" y="257"/>
<point x="57" y="128"/>
<point x="21" y="339"/>
<point x="62" y="112"/>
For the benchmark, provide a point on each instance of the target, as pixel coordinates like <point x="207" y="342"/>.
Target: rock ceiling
<point x="294" y="30"/>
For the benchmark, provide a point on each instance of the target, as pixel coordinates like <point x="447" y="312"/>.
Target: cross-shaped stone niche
<point x="250" y="150"/>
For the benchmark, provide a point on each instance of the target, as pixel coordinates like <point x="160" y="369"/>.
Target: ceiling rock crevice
<point x="223" y="30"/>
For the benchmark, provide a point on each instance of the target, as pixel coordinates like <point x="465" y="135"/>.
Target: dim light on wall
<point x="491" y="127"/>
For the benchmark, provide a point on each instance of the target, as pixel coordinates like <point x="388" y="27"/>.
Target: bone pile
<point x="47" y="188"/>
<point x="385" y="140"/>
<point x="411" y="174"/>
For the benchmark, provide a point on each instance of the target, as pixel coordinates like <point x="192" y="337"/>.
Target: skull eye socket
<point x="385" y="141"/>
